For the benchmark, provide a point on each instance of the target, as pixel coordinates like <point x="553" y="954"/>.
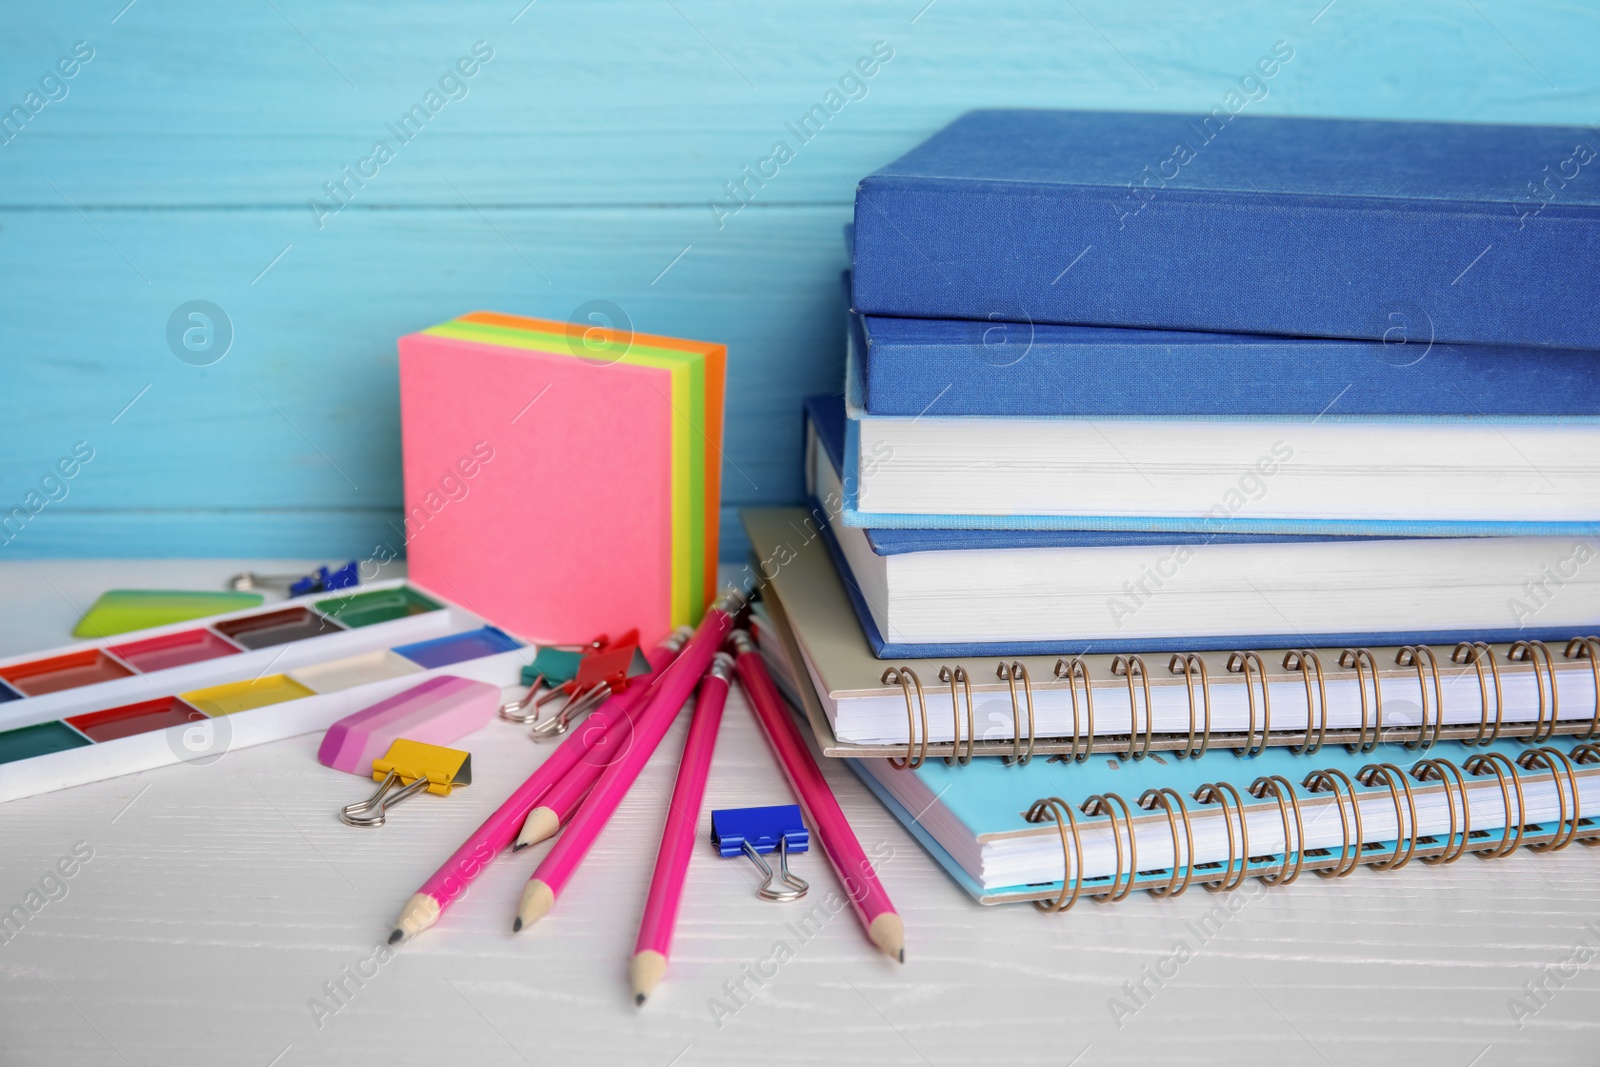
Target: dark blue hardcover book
<point x="1353" y="228"/>
<point x="963" y="367"/>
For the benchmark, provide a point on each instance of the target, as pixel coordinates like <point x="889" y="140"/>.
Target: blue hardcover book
<point x="1330" y="473"/>
<point x="934" y="592"/>
<point x="960" y="367"/>
<point x="1450" y="232"/>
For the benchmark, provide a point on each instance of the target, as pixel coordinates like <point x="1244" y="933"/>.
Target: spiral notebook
<point x="1058" y="830"/>
<point x="1189" y="702"/>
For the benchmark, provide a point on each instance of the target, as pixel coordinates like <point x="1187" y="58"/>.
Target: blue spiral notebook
<point x="975" y="819"/>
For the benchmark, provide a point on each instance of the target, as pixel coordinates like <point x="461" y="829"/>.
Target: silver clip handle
<point x="372" y="811"/>
<point x="793" y="887"/>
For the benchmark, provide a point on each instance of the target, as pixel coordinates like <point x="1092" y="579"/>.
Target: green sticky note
<point x="120" y="610"/>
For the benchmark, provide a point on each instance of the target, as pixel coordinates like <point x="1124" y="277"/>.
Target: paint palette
<point x="187" y="693"/>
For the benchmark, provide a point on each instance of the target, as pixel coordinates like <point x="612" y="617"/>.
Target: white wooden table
<point x="220" y="900"/>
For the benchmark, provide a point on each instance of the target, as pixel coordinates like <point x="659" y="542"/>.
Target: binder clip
<point x="602" y="667"/>
<point x="321" y="580"/>
<point x="754" y="831"/>
<point x="599" y="675"/>
<point x="409" y="768"/>
<point x="553" y="665"/>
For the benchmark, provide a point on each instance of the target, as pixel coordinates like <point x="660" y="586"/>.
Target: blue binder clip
<point x="323" y="580"/>
<point x="754" y="831"/>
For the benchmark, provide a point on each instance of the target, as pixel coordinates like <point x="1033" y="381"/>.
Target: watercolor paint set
<point x="189" y="692"/>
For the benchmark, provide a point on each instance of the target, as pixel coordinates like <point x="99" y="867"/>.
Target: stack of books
<point x="1280" y="446"/>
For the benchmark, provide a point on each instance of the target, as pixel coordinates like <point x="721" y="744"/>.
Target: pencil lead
<point x="638" y="999"/>
<point x="396" y="936"/>
<point x="902" y="955"/>
<point x="516" y="925"/>
<point x="518" y="847"/>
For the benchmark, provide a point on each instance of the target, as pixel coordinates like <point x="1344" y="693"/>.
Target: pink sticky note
<point x="538" y="487"/>
<point x="437" y="712"/>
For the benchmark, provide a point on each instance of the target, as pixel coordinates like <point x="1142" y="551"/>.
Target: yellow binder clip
<point x="409" y="768"/>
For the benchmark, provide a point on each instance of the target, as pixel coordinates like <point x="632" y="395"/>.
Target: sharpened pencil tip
<point x="888" y="933"/>
<point x="518" y="847"/>
<point x="420" y="912"/>
<point x="646" y="970"/>
<point x="516" y="926"/>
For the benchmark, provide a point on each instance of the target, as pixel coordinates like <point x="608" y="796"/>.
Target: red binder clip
<point x="601" y="673"/>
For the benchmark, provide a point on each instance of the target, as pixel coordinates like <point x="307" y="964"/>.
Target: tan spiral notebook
<point x="1134" y="705"/>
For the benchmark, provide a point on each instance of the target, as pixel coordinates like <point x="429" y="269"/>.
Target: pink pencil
<point x="855" y="871"/>
<point x="566" y="795"/>
<point x="665" y="700"/>
<point x="678" y="836"/>
<point x="498" y="830"/>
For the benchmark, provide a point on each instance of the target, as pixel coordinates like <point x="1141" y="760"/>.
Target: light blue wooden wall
<point x="577" y="168"/>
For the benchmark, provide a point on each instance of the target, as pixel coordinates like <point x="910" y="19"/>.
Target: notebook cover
<point x="1237" y="223"/>
<point x="961" y="367"/>
<point x="520" y="544"/>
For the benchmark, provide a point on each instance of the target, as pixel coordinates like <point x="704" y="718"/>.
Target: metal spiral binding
<point x="1534" y="652"/>
<point x="1588" y="648"/>
<point x="1587" y="754"/>
<point x="1476" y="653"/>
<point x="1435" y="770"/>
<point x="1106" y="804"/>
<point x="1241" y="663"/>
<point x="1009" y="675"/>
<point x="1393" y="777"/>
<point x="1548" y="758"/>
<point x="1331" y="779"/>
<point x="1054" y="809"/>
<point x="1131" y="667"/>
<point x="1166" y="797"/>
<point x="905" y="678"/>
<point x="1281" y="790"/>
<point x="1361" y="660"/>
<point x="1483" y="764"/>
<point x="1222" y="793"/>
<point x="952" y="677"/>
<point x="1414" y="656"/>
<point x="1303" y="660"/>
<point x="1187" y="665"/>
<point x="1072" y="671"/>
